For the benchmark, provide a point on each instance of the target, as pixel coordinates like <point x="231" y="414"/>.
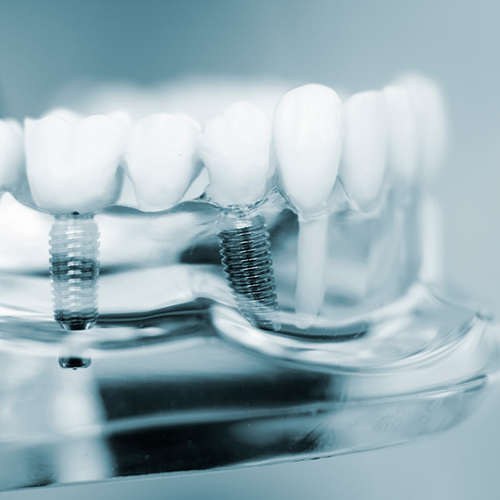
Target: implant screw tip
<point x="245" y="248"/>
<point x="74" y="362"/>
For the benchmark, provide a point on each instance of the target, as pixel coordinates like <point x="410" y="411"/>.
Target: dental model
<point x="162" y="160"/>
<point x="72" y="171"/>
<point x="11" y="154"/>
<point x="235" y="148"/>
<point x="364" y="151"/>
<point x="307" y="133"/>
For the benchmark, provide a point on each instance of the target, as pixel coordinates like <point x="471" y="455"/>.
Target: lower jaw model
<point x="324" y="329"/>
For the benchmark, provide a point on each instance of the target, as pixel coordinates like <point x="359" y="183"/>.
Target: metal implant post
<point x="246" y="256"/>
<point x="74" y="269"/>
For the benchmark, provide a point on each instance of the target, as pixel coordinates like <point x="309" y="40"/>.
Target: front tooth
<point x="365" y="147"/>
<point x="11" y="154"/>
<point x="307" y="142"/>
<point x="235" y="148"/>
<point x="73" y="166"/>
<point x="428" y="106"/>
<point x="162" y="160"/>
<point x="402" y="139"/>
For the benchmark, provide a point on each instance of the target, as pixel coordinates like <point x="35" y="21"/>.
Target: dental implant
<point x="245" y="248"/>
<point x="72" y="167"/>
<point x="74" y="270"/>
<point x="235" y="148"/>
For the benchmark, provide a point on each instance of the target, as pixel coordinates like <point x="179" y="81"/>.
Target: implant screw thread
<point x="74" y="270"/>
<point x="245" y="248"/>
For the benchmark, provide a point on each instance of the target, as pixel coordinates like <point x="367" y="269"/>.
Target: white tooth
<point x="235" y="148"/>
<point x="11" y="154"/>
<point x="162" y="160"/>
<point x="365" y="147"/>
<point x="428" y="106"/>
<point x="73" y="166"/>
<point x="402" y="134"/>
<point x="307" y="142"/>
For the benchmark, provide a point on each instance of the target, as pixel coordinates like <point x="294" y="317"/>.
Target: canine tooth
<point x="11" y="154"/>
<point x="72" y="166"/>
<point x="402" y="134"/>
<point x="365" y="147"/>
<point x="162" y="160"/>
<point x="307" y="142"/>
<point x="235" y="148"/>
<point x="307" y="138"/>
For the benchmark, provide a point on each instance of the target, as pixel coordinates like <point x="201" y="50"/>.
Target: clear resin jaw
<point x="274" y="327"/>
<point x="173" y="377"/>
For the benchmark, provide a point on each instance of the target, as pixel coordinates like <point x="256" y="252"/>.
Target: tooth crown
<point x="235" y="148"/>
<point x="11" y="154"/>
<point x="73" y="166"/>
<point x="365" y="147"/>
<point x="402" y="133"/>
<point x="307" y="141"/>
<point x="162" y="160"/>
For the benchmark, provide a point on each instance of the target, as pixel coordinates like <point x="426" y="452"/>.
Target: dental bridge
<point x="264" y="287"/>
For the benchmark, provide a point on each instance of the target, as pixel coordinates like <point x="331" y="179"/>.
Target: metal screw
<point x="74" y="269"/>
<point x="246" y="256"/>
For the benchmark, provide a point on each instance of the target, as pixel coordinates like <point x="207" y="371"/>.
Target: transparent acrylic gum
<point x="176" y="379"/>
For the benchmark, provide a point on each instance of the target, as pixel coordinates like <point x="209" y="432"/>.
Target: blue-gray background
<point x="44" y="44"/>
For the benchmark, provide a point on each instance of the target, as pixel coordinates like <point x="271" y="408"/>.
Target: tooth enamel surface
<point x="365" y="147"/>
<point x="235" y="148"/>
<point x="307" y="142"/>
<point x="402" y="138"/>
<point x="11" y="154"/>
<point x="73" y="166"/>
<point x="162" y="160"/>
<point x="430" y="114"/>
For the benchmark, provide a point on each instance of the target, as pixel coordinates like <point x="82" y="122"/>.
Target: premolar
<point x="162" y="160"/>
<point x="235" y="148"/>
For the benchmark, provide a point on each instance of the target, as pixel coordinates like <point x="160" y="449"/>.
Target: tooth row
<point x="77" y="164"/>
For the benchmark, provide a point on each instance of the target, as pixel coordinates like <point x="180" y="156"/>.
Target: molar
<point x="72" y="163"/>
